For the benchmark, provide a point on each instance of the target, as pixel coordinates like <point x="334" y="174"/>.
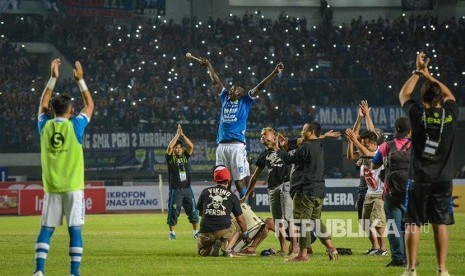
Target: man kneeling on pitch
<point x="215" y="205"/>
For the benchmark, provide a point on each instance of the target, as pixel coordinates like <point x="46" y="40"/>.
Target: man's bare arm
<point x="279" y="68"/>
<point x="48" y="90"/>
<point x="88" y="108"/>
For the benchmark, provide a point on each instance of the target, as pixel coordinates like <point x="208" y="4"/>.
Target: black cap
<point x="402" y="127"/>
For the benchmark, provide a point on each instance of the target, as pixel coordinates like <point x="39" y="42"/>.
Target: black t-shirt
<point x="441" y="168"/>
<point x="278" y="170"/>
<point x="217" y="204"/>
<point x="307" y="176"/>
<point x="179" y="175"/>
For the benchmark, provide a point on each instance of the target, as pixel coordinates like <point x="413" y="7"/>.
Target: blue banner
<point x="343" y="117"/>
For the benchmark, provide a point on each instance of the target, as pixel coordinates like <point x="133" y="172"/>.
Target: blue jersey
<point x="79" y="122"/>
<point x="233" y="117"/>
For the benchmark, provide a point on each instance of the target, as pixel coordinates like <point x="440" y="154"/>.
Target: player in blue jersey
<point x="62" y="162"/>
<point x="235" y="108"/>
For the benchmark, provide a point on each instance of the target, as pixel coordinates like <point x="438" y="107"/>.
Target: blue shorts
<point x="181" y="198"/>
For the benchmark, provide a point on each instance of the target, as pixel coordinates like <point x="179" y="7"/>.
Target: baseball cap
<point x="402" y="127"/>
<point x="221" y="174"/>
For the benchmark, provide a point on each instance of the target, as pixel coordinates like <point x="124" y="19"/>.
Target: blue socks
<point x="75" y="248"/>
<point x="42" y="247"/>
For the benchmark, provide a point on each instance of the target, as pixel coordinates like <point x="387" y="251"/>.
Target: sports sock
<point x="75" y="248"/>
<point x="42" y="247"/>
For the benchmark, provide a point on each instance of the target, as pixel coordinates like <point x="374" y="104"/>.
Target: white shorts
<point x="70" y="204"/>
<point x="234" y="157"/>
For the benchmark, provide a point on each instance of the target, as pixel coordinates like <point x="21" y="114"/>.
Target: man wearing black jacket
<point x="308" y="189"/>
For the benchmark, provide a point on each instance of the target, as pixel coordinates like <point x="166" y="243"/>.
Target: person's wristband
<point x="416" y="72"/>
<point x="82" y="85"/>
<point x="51" y="83"/>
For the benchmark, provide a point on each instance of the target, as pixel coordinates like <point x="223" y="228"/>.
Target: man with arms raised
<point x="429" y="193"/>
<point x="62" y="162"/>
<point x="235" y="108"/>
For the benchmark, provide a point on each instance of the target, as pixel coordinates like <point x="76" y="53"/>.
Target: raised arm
<point x="251" y="186"/>
<point x="214" y="77"/>
<point x="350" y="145"/>
<point x="169" y="150"/>
<point x="363" y="151"/>
<point x="88" y="108"/>
<point x="279" y="68"/>
<point x="350" y="154"/>
<point x="366" y="113"/>
<point x="330" y="134"/>
<point x="446" y="93"/>
<point x="282" y="142"/>
<point x="190" y="145"/>
<point x="421" y="69"/>
<point x="47" y="93"/>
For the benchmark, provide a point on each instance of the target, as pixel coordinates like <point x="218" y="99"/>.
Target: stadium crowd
<point x="141" y="80"/>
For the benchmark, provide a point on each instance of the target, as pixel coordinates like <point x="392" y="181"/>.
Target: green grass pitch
<point x="138" y="244"/>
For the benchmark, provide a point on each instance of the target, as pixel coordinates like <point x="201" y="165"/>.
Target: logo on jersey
<point x="217" y="202"/>
<point x="274" y="160"/>
<point x="57" y="140"/>
<point x="216" y="207"/>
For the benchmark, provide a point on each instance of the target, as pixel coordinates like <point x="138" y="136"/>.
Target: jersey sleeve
<point x="413" y="110"/>
<point x="80" y="123"/>
<point x="453" y="107"/>
<point x="261" y="160"/>
<point x="223" y="95"/>
<point x="237" y="210"/>
<point x="249" y="99"/>
<point x="380" y="153"/>
<point x="41" y="121"/>
<point x="200" y="201"/>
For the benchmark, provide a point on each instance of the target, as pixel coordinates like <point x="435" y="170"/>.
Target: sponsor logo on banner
<point x="133" y="198"/>
<point x="31" y="201"/>
<point x="8" y="202"/>
<point x="337" y="199"/>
